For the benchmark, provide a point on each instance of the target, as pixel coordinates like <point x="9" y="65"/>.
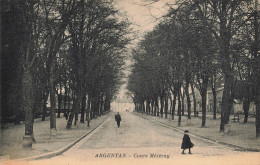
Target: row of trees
<point x="199" y="44"/>
<point x="72" y="50"/>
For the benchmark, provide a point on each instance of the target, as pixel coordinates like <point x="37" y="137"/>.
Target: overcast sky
<point x="142" y="15"/>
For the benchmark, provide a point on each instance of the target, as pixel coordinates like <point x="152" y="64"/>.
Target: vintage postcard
<point x="130" y="82"/>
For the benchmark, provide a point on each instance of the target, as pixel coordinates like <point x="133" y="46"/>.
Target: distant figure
<point x="66" y="114"/>
<point x="186" y="143"/>
<point x="118" y="119"/>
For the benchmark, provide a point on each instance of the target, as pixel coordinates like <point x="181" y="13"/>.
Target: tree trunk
<point x="152" y="107"/>
<point x="156" y="107"/>
<point x="204" y="101"/>
<point x="77" y="108"/>
<point x="225" y="38"/>
<point x="171" y="102"/>
<point x="72" y="113"/>
<point x="257" y="119"/>
<point x="194" y="101"/>
<point x="214" y="103"/>
<point x="38" y="97"/>
<point x="101" y="104"/>
<point x="28" y="103"/>
<point x="78" y="102"/>
<point x="88" y="110"/>
<point x="179" y="105"/>
<point x="257" y="70"/>
<point x="225" y="106"/>
<point x="94" y="107"/>
<point x="143" y="107"/>
<point x="83" y="106"/>
<point x="91" y="113"/>
<point x="65" y="97"/>
<point x="188" y="98"/>
<point x="174" y="103"/>
<point x="182" y="103"/>
<point x="148" y="106"/>
<point x="59" y="101"/>
<point x="76" y="116"/>
<point x="246" y="104"/>
<point x="44" y="104"/>
<point x="69" y="100"/>
<point x="53" y="102"/>
<point x="107" y="103"/>
<point x="70" y="120"/>
<point x="214" y="94"/>
<point x="162" y="105"/>
<point x="166" y="106"/>
<point x="44" y="109"/>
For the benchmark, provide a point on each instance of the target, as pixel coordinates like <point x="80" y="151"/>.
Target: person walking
<point x="118" y="119"/>
<point x="186" y="142"/>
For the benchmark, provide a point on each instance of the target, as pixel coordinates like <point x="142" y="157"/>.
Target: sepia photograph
<point x="128" y="82"/>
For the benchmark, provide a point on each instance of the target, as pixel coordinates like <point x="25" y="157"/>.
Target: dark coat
<point x="186" y="143"/>
<point x="118" y="118"/>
